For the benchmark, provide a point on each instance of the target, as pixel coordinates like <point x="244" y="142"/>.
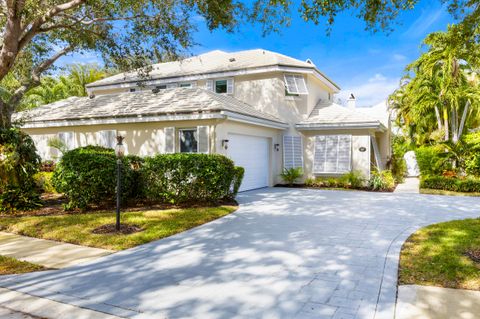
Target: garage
<point x="251" y="153"/>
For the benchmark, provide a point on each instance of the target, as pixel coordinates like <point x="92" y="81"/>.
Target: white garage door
<point x="251" y="153"/>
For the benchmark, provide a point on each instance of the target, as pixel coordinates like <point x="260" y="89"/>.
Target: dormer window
<point x="295" y="84"/>
<point x="220" y="86"/>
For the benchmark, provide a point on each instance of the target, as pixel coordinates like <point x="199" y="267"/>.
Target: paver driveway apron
<point x="285" y="253"/>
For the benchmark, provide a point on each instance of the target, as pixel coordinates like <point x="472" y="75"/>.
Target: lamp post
<point x="119" y="152"/>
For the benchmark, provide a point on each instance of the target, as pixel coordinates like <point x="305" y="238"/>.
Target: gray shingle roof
<point x="328" y="113"/>
<point x="142" y="103"/>
<point x="210" y="62"/>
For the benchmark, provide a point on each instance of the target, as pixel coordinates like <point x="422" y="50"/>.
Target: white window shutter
<point x="290" y="84"/>
<point x="319" y="154"/>
<point x="292" y="152"/>
<point x="107" y="138"/>
<point x="209" y="85"/>
<point x="68" y="138"/>
<point x="230" y="86"/>
<point x="301" y="85"/>
<point x="169" y="139"/>
<point x="332" y="154"/>
<point x="202" y="139"/>
<point x="295" y="84"/>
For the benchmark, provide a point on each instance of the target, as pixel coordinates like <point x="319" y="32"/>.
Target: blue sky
<point x="369" y="65"/>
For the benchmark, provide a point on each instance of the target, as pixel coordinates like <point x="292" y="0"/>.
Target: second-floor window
<point x="295" y="84"/>
<point x="220" y="86"/>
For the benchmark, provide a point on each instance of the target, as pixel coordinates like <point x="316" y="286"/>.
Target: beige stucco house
<point x="264" y="110"/>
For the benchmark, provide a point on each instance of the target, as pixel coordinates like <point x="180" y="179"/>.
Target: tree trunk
<point x="5" y="116"/>
<point x="445" y="121"/>
<point x="464" y="118"/>
<point x="439" y="118"/>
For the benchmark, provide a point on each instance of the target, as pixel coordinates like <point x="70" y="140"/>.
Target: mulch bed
<point x="53" y="205"/>
<point x="125" y="229"/>
<point x="473" y="254"/>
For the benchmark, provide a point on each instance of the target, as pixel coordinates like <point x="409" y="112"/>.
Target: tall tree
<point x="443" y="95"/>
<point x="129" y="33"/>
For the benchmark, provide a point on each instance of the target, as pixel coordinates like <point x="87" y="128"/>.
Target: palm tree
<point x="443" y="95"/>
<point x="82" y="74"/>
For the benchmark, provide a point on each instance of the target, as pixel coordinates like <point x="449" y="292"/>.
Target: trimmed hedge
<point x="451" y="184"/>
<point x="88" y="175"/>
<point x="182" y="178"/>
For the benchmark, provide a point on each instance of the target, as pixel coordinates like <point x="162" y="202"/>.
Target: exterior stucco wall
<point x="140" y="138"/>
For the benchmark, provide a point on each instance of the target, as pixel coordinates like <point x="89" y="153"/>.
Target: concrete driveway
<point x="286" y="253"/>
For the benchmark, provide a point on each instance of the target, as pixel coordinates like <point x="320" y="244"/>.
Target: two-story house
<point x="264" y="110"/>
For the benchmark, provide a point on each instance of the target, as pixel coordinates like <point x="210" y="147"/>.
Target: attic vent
<point x="232" y="60"/>
<point x="92" y="96"/>
<point x="155" y="90"/>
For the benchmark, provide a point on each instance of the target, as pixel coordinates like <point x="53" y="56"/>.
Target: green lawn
<point x="435" y="256"/>
<point x="10" y="266"/>
<point x="442" y="192"/>
<point x="77" y="228"/>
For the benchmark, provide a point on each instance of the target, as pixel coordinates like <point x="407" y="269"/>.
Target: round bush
<point x="188" y="178"/>
<point x="88" y="175"/>
<point x="19" y="163"/>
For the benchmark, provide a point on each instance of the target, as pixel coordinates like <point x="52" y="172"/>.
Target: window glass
<point x="185" y="85"/>
<point x="221" y="86"/>
<point x="188" y="141"/>
<point x="161" y="87"/>
<point x="132" y="90"/>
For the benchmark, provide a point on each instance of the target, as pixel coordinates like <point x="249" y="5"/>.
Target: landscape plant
<point x="87" y="176"/>
<point x="291" y="175"/>
<point x="190" y="178"/>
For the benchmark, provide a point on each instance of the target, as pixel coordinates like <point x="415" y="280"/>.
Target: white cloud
<point x="421" y="25"/>
<point x="370" y="91"/>
<point x="398" y="57"/>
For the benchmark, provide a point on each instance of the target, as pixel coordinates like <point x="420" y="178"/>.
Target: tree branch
<point x="34" y="80"/>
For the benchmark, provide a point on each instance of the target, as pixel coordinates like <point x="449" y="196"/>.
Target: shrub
<point x="183" y="178"/>
<point x="397" y="163"/>
<point x="15" y="198"/>
<point x="290" y="175"/>
<point x="451" y="184"/>
<point x="432" y="160"/>
<point x="87" y="176"/>
<point x="18" y="164"/>
<point x="382" y="181"/>
<point x="43" y="181"/>
<point x="237" y="181"/>
<point x="473" y="165"/>
<point x="353" y="179"/>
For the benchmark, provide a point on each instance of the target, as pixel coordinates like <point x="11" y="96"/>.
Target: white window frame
<point x="299" y="85"/>
<point x="336" y="171"/>
<point x="229" y="82"/>
<point x="180" y="130"/>
<point x="186" y="85"/>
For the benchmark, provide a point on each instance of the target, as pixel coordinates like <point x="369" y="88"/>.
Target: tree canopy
<point x="440" y="95"/>
<point x="129" y="34"/>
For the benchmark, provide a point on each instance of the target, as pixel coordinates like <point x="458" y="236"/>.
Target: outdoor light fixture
<point x="119" y="152"/>
<point x="362" y="149"/>
<point x="225" y="144"/>
<point x="276" y="147"/>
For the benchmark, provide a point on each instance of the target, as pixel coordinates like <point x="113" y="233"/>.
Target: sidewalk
<point x="17" y="305"/>
<point x="424" y="302"/>
<point x="48" y="253"/>
<point x="411" y="185"/>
